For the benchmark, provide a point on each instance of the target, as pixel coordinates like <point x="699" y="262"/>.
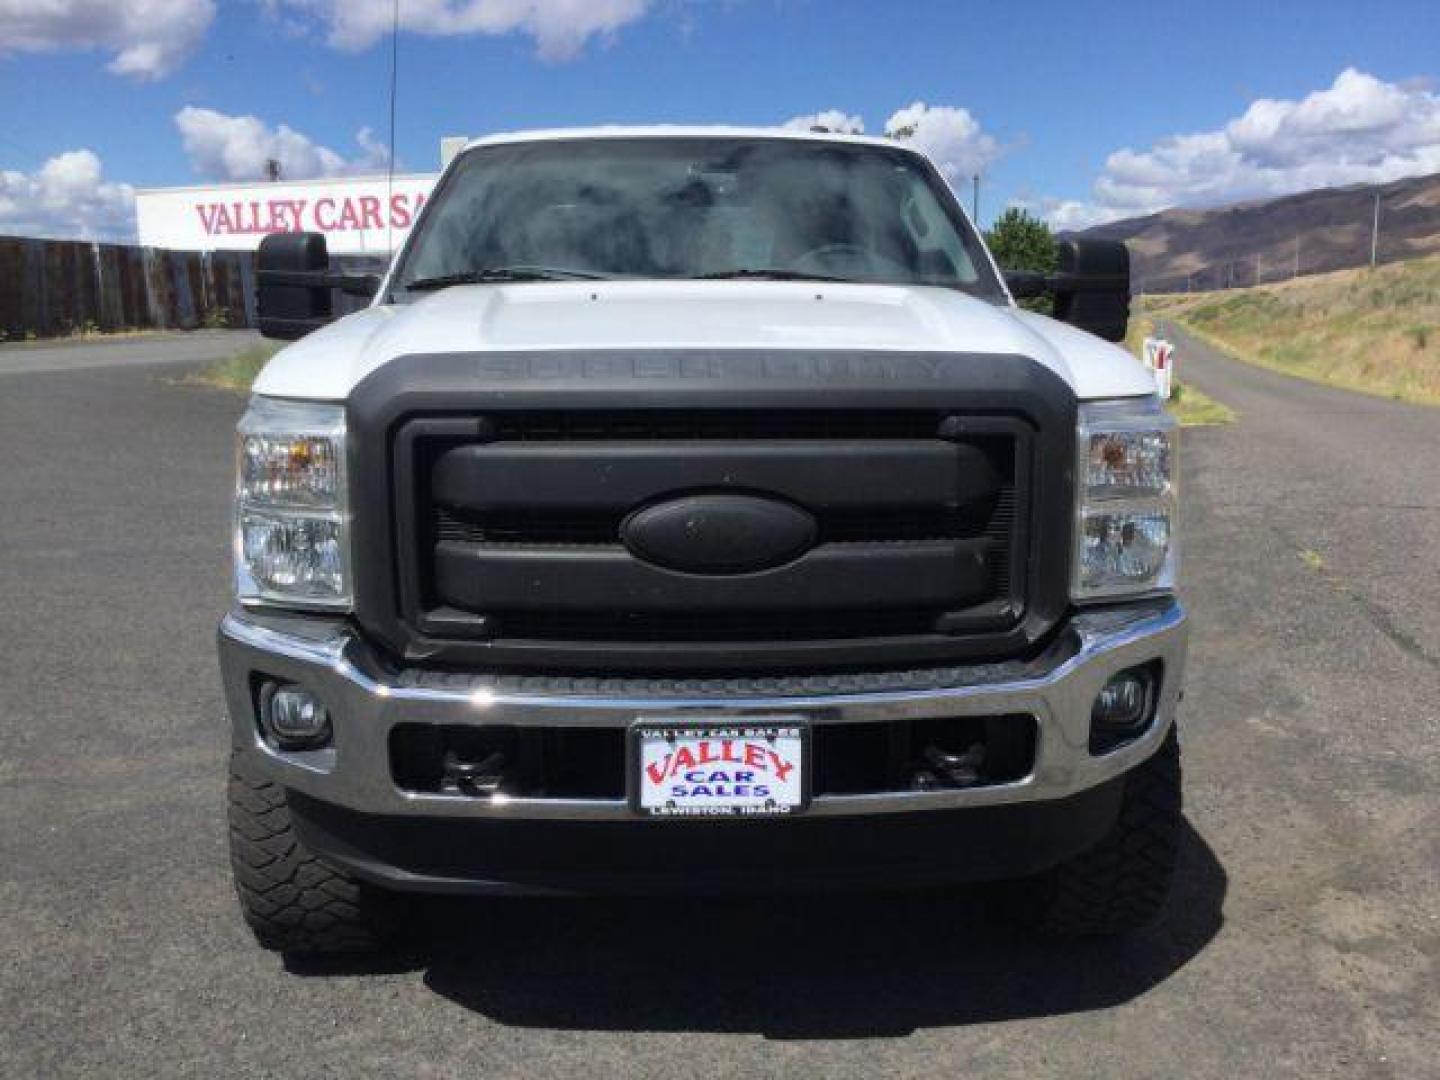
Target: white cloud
<point x="68" y="198"/>
<point x="223" y="147"/>
<point x="830" y="120"/>
<point x="951" y="136"/>
<point x="948" y="134"/>
<point x="1358" y="130"/>
<point x="561" y="28"/>
<point x="150" y="38"/>
<point x="1364" y="119"/>
<point x="1072" y="214"/>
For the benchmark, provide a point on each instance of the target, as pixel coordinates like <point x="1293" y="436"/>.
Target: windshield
<point x="695" y="208"/>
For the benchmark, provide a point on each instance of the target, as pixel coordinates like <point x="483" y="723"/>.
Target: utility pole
<point x="1297" y="257"/>
<point x="1257" y="268"/>
<point x="1375" y="232"/>
<point x="975" y="203"/>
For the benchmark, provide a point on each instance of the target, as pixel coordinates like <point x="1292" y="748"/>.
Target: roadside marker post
<point x="1159" y="356"/>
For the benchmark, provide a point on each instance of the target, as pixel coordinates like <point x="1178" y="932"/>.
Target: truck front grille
<point x="510" y="529"/>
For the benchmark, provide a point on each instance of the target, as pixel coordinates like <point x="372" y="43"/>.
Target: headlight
<point x="1125" y="541"/>
<point x="292" y="517"/>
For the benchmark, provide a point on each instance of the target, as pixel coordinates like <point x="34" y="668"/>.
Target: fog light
<point x="1123" y="709"/>
<point x="294" y="717"/>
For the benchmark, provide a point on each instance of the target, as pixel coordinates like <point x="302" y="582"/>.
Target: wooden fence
<point x="56" y="287"/>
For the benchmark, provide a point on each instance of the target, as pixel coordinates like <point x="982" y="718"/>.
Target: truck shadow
<point x="795" y="967"/>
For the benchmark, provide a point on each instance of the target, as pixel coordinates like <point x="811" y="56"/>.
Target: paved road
<point x="1302" y="939"/>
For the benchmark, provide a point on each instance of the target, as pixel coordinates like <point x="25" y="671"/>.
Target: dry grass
<point x="238" y="372"/>
<point x="1375" y="331"/>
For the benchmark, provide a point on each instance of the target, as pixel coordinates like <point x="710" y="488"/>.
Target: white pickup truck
<point x="694" y="509"/>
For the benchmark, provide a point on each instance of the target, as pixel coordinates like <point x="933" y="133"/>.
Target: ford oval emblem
<point x="719" y="533"/>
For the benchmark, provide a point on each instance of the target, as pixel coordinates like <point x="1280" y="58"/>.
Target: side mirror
<point x="294" y="284"/>
<point x="292" y="291"/>
<point x="1091" y="286"/>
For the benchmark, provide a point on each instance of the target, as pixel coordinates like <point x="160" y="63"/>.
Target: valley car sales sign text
<point x="358" y="216"/>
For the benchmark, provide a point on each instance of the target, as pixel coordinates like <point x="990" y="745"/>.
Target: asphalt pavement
<point x="1301" y="941"/>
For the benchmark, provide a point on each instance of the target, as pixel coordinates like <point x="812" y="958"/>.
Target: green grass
<point x="238" y="372"/>
<point x="1373" y="331"/>
<point x="1188" y="405"/>
<point x="1194" y="409"/>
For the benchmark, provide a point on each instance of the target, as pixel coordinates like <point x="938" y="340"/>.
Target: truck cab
<point x="694" y="509"/>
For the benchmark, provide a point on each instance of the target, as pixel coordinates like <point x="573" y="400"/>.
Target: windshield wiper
<point x="502" y="274"/>
<point x="770" y="274"/>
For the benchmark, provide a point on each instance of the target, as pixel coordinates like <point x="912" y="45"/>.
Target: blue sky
<point x="1051" y="92"/>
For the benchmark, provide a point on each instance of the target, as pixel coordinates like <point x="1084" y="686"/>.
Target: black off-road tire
<point x="292" y="901"/>
<point x="1120" y="885"/>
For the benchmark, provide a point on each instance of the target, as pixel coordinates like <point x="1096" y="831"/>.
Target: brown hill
<point x="1265" y="240"/>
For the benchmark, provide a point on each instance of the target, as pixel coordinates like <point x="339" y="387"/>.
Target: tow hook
<point x="481" y="778"/>
<point x="949" y="770"/>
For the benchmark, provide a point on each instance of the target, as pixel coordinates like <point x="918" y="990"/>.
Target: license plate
<point x="750" y="769"/>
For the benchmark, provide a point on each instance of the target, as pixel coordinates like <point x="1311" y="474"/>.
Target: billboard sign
<point x="357" y="215"/>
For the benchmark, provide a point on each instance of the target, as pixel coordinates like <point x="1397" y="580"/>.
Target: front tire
<point x="293" y="902"/>
<point x="1121" y="884"/>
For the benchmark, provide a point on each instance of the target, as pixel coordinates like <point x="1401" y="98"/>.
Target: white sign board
<point x="358" y="216"/>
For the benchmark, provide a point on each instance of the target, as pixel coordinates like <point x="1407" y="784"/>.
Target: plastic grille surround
<point x="491" y="497"/>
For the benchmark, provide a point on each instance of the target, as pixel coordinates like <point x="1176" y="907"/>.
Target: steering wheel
<point x="819" y="257"/>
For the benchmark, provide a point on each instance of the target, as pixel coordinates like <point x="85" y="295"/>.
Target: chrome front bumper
<point x="365" y="701"/>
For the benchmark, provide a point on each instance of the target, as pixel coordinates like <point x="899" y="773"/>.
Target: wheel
<point x="1120" y="884"/>
<point x="292" y="901"/>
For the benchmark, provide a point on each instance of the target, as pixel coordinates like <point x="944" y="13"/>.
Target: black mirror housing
<point x="293" y="285"/>
<point x="1026" y="284"/>
<point x="1092" y="287"/>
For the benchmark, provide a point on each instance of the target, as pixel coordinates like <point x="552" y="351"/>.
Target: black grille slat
<point x="508" y="578"/>
<point x="503" y="478"/>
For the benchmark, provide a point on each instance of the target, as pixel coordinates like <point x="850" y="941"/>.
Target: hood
<point x="693" y="315"/>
